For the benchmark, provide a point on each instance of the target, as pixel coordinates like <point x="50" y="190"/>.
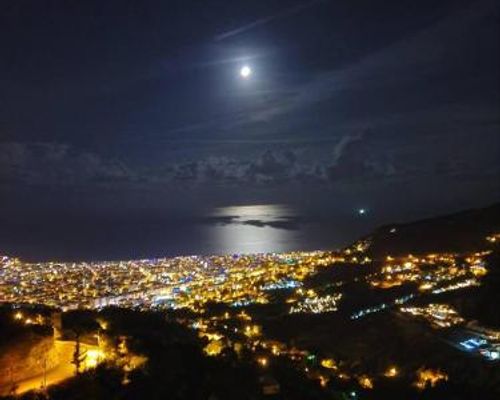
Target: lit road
<point x="63" y="371"/>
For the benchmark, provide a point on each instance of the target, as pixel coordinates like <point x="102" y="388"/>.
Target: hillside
<point x="460" y="232"/>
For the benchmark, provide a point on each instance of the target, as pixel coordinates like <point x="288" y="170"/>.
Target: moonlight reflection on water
<point x="254" y="229"/>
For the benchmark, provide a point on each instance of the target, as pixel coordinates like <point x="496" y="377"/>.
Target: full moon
<point x="245" y="71"/>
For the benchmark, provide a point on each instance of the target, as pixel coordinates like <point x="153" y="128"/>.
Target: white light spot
<point x="362" y="211"/>
<point x="245" y="71"/>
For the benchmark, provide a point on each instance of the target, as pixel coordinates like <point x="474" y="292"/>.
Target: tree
<point x="78" y="355"/>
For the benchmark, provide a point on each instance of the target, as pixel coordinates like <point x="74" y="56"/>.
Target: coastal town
<point x="228" y="299"/>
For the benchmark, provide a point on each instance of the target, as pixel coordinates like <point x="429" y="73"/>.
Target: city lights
<point x="93" y="357"/>
<point x="391" y="372"/>
<point x="429" y="377"/>
<point x="317" y="305"/>
<point x="439" y="315"/>
<point x="181" y="282"/>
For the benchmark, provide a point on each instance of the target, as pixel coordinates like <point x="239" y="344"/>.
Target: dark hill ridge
<point x="459" y="232"/>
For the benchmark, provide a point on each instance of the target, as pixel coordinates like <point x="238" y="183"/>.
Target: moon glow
<point x="245" y="72"/>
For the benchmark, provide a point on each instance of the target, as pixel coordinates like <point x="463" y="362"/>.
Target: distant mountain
<point x="459" y="232"/>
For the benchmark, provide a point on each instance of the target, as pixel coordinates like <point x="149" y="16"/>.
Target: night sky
<point x="126" y="129"/>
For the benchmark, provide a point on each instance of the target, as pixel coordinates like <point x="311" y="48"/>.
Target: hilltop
<point x="459" y="232"/>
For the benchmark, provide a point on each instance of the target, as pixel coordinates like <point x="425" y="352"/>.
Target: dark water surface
<point x="238" y="229"/>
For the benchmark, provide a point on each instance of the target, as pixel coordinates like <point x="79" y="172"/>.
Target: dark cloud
<point x="268" y="167"/>
<point x="368" y="155"/>
<point x="291" y="223"/>
<point x="57" y="164"/>
<point x="286" y="222"/>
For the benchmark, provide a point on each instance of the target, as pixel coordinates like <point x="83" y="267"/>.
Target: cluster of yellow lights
<point x="456" y="286"/>
<point x="214" y="348"/>
<point x="253" y="330"/>
<point x="335" y="370"/>
<point x="93" y="357"/>
<point x="425" y="286"/>
<point x="29" y="320"/>
<point x="430" y="272"/>
<point x="426" y="377"/>
<point x="391" y="372"/>
<point x="317" y="304"/>
<point x="234" y="330"/>
<point x="365" y="382"/>
<point x="263" y="361"/>
<point x="180" y="282"/>
<point x="493" y="238"/>
<point x="211" y="335"/>
<point x="329" y="363"/>
<point x="439" y="315"/>
<point x="361" y="246"/>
